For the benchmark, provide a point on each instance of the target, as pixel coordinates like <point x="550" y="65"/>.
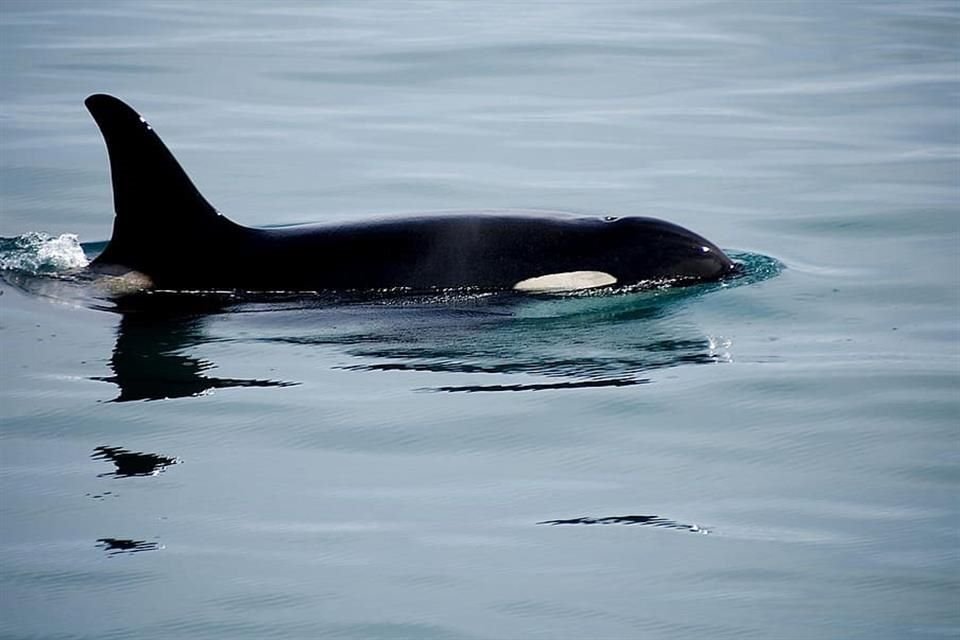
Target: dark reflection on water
<point x="132" y="463"/>
<point x="573" y="342"/>
<point x="149" y="362"/>
<point x="586" y="340"/>
<point x="649" y="521"/>
<point x="116" y="546"/>
<point x="597" y="361"/>
<point x="102" y="496"/>
<point x="584" y="384"/>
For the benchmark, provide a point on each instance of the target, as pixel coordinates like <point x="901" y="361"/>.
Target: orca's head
<point x="656" y="249"/>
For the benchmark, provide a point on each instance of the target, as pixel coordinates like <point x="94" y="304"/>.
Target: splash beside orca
<point x="167" y="236"/>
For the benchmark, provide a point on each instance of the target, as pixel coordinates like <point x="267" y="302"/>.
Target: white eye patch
<point x="566" y="281"/>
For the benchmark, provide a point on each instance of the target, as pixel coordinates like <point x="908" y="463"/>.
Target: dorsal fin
<point x="154" y="200"/>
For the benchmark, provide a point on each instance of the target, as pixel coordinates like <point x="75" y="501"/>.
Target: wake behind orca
<point x="167" y="236"/>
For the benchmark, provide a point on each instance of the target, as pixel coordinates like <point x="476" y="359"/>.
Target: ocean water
<point x="777" y="457"/>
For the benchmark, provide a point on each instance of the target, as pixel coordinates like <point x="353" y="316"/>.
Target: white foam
<point x="37" y="253"/>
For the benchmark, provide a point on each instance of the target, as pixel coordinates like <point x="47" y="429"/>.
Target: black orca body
<point x="168" y="234"/>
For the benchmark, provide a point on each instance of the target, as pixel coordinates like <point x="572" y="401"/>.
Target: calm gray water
<point x="776" y="458"/>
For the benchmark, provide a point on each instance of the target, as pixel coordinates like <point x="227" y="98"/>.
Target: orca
<point x="167" y="236"/>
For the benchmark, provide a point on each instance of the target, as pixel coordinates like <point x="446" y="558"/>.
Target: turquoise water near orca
<point x="771" y="457"/>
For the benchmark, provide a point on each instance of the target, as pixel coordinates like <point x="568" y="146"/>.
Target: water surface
<point x="777" y="458"/>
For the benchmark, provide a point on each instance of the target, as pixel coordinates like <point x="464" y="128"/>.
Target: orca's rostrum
<point x="167" y="236"/>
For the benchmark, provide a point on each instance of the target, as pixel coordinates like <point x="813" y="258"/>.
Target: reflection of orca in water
<point x="132" y="463"/>
<point x="115" y="546"/>
<point x="167" y="236"/>
<point x="650" y="521"/>
<point x="148" y="362"/>
<point x="544" y="386"/>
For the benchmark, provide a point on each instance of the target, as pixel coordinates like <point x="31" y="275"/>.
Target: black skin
<point x="167" y="231"/>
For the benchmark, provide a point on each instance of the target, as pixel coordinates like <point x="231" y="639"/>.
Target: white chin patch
<point x="567" y="281"/>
